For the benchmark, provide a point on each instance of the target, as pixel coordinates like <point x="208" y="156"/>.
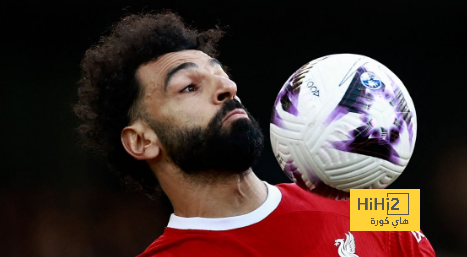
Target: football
<point x="341" y="122"/>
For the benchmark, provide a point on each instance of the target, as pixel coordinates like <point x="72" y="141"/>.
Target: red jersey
<point x="291" y="222"/>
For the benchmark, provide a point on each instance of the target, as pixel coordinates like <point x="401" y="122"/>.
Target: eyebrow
<point x="184" y="66"/>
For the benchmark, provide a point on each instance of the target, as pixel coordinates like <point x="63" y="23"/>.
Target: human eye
<point x="189" y="88"/>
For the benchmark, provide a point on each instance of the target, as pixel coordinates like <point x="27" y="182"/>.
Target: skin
<point x="192" y="96"/>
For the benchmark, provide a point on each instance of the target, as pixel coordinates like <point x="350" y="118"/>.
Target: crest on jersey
<point x="347" y="246"/>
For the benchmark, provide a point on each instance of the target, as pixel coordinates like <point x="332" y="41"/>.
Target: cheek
<point x="200" y="116"/>
<point x="191" y="116"/>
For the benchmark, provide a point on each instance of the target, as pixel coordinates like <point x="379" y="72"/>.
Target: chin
<point x="236" y="124"/>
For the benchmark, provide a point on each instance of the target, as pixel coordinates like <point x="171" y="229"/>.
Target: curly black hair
<point x="109" y="94"/>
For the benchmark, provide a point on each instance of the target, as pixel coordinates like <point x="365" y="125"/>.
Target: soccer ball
<point x="341" y="122"/>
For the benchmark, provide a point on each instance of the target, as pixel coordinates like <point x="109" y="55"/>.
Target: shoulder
<point x="410" y="243"/>
<point x="165" y="245"/>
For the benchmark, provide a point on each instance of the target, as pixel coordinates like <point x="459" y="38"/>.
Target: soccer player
<point x="162" y="110"/>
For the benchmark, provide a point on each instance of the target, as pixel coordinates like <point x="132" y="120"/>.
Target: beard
<point x="215" y="150"/>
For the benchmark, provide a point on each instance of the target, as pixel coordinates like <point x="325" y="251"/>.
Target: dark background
<point x="57" y="200"/>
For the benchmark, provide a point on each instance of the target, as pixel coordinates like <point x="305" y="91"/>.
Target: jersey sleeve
<point x="409" y="243"/>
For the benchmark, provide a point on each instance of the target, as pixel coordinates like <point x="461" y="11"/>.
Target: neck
<point x="232" y="196"/>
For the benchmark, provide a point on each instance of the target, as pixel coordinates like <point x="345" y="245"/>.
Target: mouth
<point x="235" y="114"/>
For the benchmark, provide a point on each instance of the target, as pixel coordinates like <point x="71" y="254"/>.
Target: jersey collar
<point x="219" y="224"/>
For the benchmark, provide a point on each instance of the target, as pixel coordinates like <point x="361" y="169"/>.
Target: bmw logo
<point x="370" y="80"/>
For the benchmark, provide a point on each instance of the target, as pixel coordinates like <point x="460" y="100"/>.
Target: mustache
<point x="227" y="107"/>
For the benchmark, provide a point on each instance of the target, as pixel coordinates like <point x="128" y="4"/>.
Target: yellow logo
<point x="384" y="209"/>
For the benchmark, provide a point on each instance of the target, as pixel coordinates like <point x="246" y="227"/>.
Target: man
<point x="165" y="114"/>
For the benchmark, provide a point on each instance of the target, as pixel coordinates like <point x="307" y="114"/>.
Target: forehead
<point x="155" y="72"/>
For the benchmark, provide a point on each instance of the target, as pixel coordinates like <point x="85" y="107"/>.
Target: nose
<point x="226" y="90"/>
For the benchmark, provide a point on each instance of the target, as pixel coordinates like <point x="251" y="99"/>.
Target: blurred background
<point x="57" y="200"/>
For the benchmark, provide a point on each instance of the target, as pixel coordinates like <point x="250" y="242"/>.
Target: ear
<point x="140" y="141"/>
